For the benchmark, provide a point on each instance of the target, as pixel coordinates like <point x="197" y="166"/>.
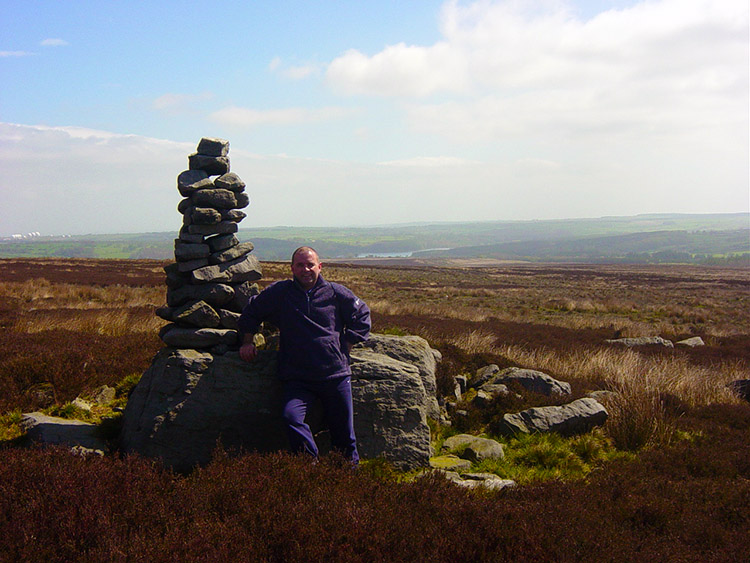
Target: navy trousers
<point x="336" y="397"/>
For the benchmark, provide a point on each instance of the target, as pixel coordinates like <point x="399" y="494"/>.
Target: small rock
<point x="692" y="342"/>
<point x="449" y="462"/>
<point x="641" y="341"/>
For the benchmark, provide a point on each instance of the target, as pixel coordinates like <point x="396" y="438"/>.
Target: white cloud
<point x="53" y="42"/>
<point x="399" y="70"/>
<point x="508" y="45"/>
<point x="248" y="117"/>
<point x="9" y="54"/>
<point x="293" y="72"/>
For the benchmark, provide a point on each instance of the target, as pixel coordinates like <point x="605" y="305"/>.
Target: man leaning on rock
<point x="319" y="321"/>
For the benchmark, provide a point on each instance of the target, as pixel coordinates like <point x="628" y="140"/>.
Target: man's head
<point x="306" y="266"/>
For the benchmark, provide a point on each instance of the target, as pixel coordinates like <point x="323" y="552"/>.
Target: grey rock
<point x="212" y="165"/>
<point x="484" y="374"/>
<point x="224" y="227"/>
<point x="104" y="395"/>
<point x="197" y="313"/>
<point x="185" y="251"/>
<point x="234" y="215"/>
<point x="185" y="205"/>
<point x="231" y="253"/>
<point x="190" y="265"/>
<point x="449" y="462"/>
<point x="243" y="200"/>
<point x="52" y="430"/>
<point x="181" y="337"/>
<point x="175" y="278"/>
<point x="242" y="294"/>
<point x="212" y="146"/>
<point x="574" y="418"/>
<point x="474" y="448"/>
<point x="246" y="268"/>
<point x="462" y="382"/>
<point x="390" y="410"/>
<point x="533" y="380"/>
<point x="457" y="390"/>
<point x="641" y="341"/>
<point x="230" y="181"/>
<point x="691" y="342"/>
<point x="186" y="236"/>
<point x="188" y="399"/>
<point x="216" y="198"/>
<point x="205" y="216"/>
<point x="488" y="481"/>
<point x="222" y="242"/>
<point x="82" y="404"/>
<point x="482" y="399"/>
<point x="215" y="294"/>
<point x="412" y="350"/>
<point x="494" y="389"/>
<point x="229" y="319"/>
<point x="190" y="181"/>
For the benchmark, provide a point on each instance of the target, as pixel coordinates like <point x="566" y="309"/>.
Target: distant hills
<point x="653" y="238"/>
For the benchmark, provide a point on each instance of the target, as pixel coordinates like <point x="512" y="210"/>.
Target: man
<point x="319" y="322"/>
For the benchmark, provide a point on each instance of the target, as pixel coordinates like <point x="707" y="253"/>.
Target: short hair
<point x="305" y="249"/>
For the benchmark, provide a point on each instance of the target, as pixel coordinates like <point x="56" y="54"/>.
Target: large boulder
<point x="188" y="401"/>
<point x="413" y="350"/>
<point x="531" y="380"/>
<point x="574" y="418"/>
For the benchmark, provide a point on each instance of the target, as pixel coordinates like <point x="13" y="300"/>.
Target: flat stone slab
<point x="641" y="341"/>
<point x="574" y="418"/>
<point x="43" y="429"/>
<point x="691" y="342"/>
<point x="449" y="462"/>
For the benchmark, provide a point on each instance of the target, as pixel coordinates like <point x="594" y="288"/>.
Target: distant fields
<point x="719" y="239"/>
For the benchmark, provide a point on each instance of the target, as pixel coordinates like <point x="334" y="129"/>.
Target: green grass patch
<point x="10" y="426"/>
<point x="532" y="458"/>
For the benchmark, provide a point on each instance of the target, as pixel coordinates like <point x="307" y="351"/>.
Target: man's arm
<point x="258" y="309"/>
<point x="248" y="351"/>
<point x="356" y="316"/>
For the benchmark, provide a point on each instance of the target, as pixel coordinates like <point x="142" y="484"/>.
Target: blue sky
<point x="361" y="113"/>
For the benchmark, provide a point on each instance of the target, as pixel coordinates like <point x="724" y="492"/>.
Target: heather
<point x="687" y="503"/>
<point x="666" y="478"/>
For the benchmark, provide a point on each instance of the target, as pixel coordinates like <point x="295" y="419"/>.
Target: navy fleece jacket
<point x="315" y="325"/>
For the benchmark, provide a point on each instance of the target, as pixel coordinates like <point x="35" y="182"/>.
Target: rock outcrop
<point x="198" y="392"/>
<point x="529" y="379"/>
<point x="574" y="418"/>
<point x="81" y="437"/>
<point x="189" y="400"/>
<point x="641" y="341"/>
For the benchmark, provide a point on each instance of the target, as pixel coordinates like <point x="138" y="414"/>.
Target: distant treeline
<point x="721" y="239"/>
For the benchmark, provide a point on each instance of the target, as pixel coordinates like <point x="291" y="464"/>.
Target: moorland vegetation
<point x="667" y="478"/>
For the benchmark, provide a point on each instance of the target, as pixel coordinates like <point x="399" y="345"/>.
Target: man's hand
<point x="248" y="352"/>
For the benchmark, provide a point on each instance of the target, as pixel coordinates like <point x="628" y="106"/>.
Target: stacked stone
<point x="211" y="279"/>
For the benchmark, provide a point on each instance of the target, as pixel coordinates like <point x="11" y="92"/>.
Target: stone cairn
<point x="212" y="277"/>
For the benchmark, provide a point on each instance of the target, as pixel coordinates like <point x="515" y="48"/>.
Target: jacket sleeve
<point x="356" y="316"/>
<point x="261" y="307"/>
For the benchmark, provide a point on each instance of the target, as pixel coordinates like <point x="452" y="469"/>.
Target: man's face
<point x="306" y="268"/>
